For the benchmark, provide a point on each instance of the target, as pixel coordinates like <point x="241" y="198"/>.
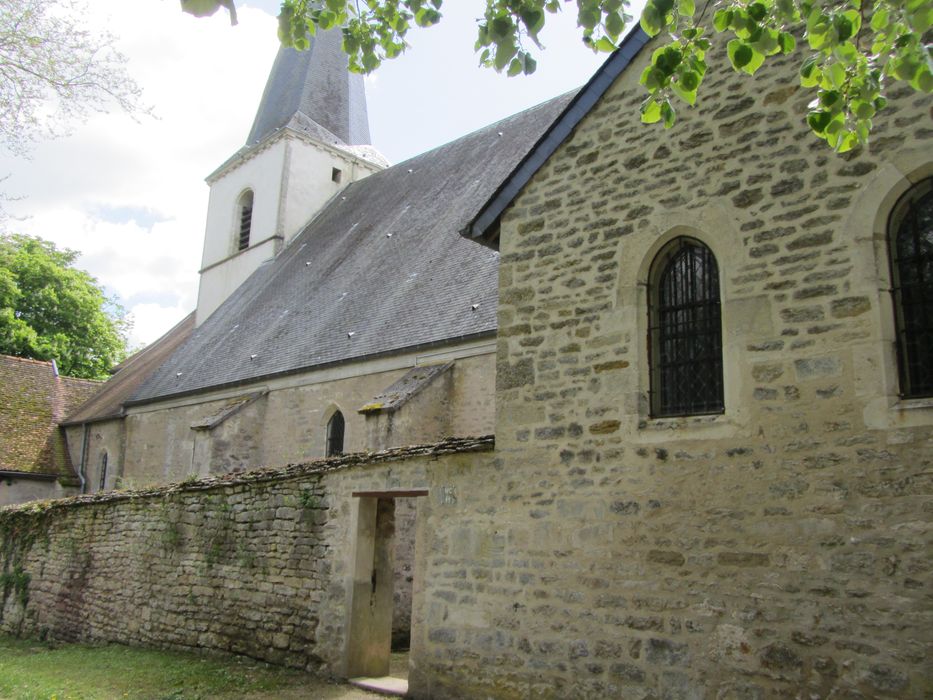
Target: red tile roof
<point x="33" y="399"/>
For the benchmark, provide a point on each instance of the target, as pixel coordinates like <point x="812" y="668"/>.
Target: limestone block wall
<point x="258" y="563"/>
<point x="780" y="549"/>
<point x="289" y="422"/>
<point x="19" y="489"/>
<point x="87" y="446"/>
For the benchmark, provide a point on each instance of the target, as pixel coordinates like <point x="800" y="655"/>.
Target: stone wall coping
<point x="289" y="472"/>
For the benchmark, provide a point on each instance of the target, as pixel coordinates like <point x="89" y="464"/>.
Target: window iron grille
<point x="685" y="332"/>
<point x="911" y="258"/>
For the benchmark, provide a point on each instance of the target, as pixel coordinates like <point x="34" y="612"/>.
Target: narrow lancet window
<point x="685" y="331"/>
<point x="244" y="219"/>
<point x="335" y="430"/>
<point x="103" y="472"/>
<point x="911" y="243"/>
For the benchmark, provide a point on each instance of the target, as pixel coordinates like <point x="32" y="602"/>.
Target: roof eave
<point x="37" y="476"/>
<point x="490" y="333"/>
<point x="484" y="227"/>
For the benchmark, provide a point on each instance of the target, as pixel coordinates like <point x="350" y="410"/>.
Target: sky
<point x="129" y="194"/>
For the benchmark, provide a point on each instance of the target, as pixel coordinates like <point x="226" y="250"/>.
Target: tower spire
<point x="313" y="92"/>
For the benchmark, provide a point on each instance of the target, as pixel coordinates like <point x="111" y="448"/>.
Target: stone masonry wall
<point x="782" y="549"/>
<point x="289" y="424"/>
<point x="254" y="563"/>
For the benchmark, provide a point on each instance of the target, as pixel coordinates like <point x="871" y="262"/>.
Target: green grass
<point x="32" y="670"/>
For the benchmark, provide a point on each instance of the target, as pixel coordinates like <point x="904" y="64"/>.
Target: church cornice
<point x="247" y="153"/>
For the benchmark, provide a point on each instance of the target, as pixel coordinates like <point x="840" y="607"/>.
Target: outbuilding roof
<point x="382" y="269"/>
<point x="33" y="399"/>
<point x="128" y="375"/>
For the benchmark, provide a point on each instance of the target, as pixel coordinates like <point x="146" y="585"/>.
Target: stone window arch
<point x="685" y="331"/>
<point x="910" y="252"/>
<point x="336" y="429"/>
<point x="244" y="219"/>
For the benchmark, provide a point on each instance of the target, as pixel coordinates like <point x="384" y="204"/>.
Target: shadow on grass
<point x="32" y="670"/>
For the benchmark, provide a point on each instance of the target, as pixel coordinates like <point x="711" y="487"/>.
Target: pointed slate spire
<point x="312" y="91"/>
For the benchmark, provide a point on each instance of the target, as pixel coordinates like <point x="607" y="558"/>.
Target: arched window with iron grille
<point x="335" y="430"/>
<point x="910" y="238"/>
<point x="685" y="331"/>
<point x="244" y="219"/>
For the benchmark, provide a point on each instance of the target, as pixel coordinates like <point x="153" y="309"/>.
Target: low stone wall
<point x="251" y="563"/>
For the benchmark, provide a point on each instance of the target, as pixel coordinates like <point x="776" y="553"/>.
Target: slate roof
<point x="405" y="389"/>
<point x="33" y="399"/>
<point x="313" y="92"/>
<point x="128" y="375"/>
<point x="381" y="269"/>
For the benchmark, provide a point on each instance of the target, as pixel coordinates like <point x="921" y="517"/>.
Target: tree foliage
<point x="51" y="311"/>
<point x="53" y="70"/>
<point x="854" y="49"/>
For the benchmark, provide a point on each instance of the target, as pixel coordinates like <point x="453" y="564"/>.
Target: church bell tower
<point x="308" y="141"/>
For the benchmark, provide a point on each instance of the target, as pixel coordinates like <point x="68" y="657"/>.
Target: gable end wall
<point x="780" y="548"/>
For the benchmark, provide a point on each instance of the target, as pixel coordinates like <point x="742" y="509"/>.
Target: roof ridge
<point x="28" y="359"/>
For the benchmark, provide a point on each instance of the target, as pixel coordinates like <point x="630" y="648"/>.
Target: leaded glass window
<point x="911" y="241"/>
<point x="335" y="430"/>
<point x="685" y="331"/>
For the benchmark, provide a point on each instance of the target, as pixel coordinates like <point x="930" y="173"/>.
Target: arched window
<point x="685" y="331"/>
<point x="103" y="472"/>
<point x="910" y="236"/>
<point x="244" y="219"/>
<point x="335" y="429"/>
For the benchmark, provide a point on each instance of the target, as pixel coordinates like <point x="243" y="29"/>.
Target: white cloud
<point x="130" y="195"/>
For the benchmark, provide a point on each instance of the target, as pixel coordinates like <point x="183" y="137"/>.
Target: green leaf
<point x="923" y="80"/>
<point x="533" y="19"/>
<point x="880" y="19"/>
<point x="668" y="114"/>
<point x="787" y="42"/>
<point x="843" y="26"/>
<point x="837" y="75"/>
<point x="757" y="11"/>
<point x="829" y="97"/>
<point x="605" y="45"/>
<point x="587" y="18"/>
<point x="615" y="24"/>
<point x="740" y="53"/>
<point x="651" y="20"/>
<point x="722" y="19"/>
<point x="501" y="28"/>
<point x="686" y="87"/>
<point x="504" y="54"/>
<point x="530" y="66"/>
<point x="686" y="8"/>
<point x="863" y="110"/>
<point x="810" y="74"/>
<point x="515" y="67"/>
<point x="650" y="112"/>
<point x="819" y="120"/>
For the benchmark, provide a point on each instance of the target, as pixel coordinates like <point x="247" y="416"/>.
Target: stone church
<point x="705" y="355"/>
<point x="339" y="309"/>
